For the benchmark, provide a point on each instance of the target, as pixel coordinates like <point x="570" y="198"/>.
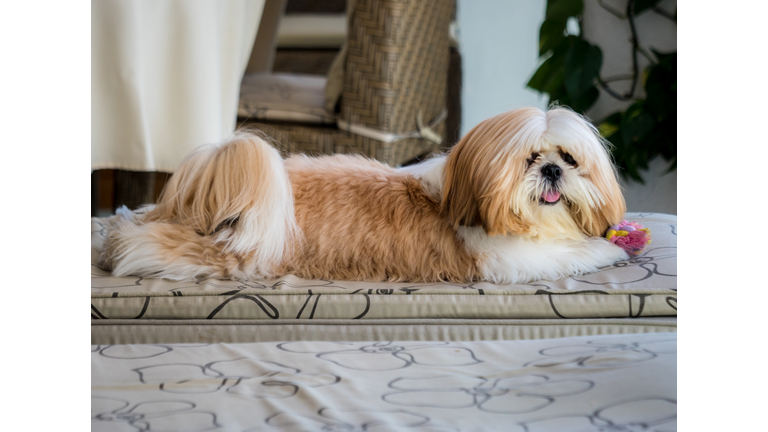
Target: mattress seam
<point x="123" y="322"/>
<point x="574" y="293"/>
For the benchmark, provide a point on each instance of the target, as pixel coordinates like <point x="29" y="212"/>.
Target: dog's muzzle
<point x="551" y="174"/>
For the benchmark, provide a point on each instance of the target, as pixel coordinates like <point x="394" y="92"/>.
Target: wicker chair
<point x="395" y="81"/>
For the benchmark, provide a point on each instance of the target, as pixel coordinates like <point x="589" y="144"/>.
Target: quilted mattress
<point x="637" y="295"/>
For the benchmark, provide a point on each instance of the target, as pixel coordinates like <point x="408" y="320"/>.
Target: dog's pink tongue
<point x="551" y="196"/>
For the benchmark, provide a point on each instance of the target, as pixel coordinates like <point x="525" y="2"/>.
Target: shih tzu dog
<point x="524" y="196"/>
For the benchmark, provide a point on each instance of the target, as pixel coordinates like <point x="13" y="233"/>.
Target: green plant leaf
<point x="636" y="161"/>
<point x="636" y="123"/>
<point x="643" y="5"/>
<point x="551" y="34"/>
<point x="582" y="65"/>
<point x="608" y="127"/>
<point x="585" y="101"/>
<point x="562" y="9"/>
<point x="625" y="157"/>
<point x="549" y="77"/>
<point x="661" y="56"/>
<point x="661" y="86"/>
<point x="662" y="139"/>
<point x="672" y="166"/>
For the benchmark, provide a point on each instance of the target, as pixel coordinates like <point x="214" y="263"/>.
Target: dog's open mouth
<point x="549" y="197"/>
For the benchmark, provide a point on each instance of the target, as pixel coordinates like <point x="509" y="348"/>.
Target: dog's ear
<point x="595" y="221"/>
<point x="608" y="207"/>
<point x="605" y="205"/>
<point x="480" y="173"/>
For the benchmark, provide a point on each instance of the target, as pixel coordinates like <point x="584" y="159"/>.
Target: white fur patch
<point x="516" y="259"/>
<point x="431" y="172"/>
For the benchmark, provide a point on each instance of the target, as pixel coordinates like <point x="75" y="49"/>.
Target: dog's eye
<point x="567" y="158"/>
<point x="532" y="158"/>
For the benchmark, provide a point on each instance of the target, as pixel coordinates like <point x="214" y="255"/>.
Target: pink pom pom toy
<point x="630" y="236"/>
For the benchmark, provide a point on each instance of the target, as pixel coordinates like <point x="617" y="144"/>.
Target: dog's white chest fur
<point x="513" y="259"/>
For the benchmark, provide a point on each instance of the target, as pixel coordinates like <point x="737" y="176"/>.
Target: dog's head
<point x="531" y="172"/>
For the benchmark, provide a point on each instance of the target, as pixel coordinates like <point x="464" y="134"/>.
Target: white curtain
<point x="165" y="77"/>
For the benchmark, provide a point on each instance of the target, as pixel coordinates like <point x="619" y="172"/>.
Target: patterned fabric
<point x="643" y="286"/>
<point x="597" y="383"/>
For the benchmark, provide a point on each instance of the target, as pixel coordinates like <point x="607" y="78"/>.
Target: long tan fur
<point x="358" y="219"/>
<point x="480" y="172"/>
<point x="363" y="220"/>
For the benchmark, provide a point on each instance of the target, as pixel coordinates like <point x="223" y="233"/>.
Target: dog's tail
<point x="226" y="212"/>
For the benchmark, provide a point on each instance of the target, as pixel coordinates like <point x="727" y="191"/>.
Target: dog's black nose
<point x="552" y="172"/>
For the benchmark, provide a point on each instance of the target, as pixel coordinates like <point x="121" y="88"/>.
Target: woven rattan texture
<point x="318" y="61"/>
<point x="397" y="64"/>
<point x="397" y="67"/>
<point x="319" y="140"/>
<point x="453" y="122"/>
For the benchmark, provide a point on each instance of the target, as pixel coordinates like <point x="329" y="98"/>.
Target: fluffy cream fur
<point x="485" y="211"/>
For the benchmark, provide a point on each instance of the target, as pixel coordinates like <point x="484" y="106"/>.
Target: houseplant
<point x="570" y="75"/>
